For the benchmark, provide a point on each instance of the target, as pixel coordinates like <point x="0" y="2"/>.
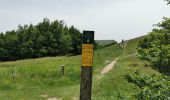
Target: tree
<point x="76" y="41"/>
<point x="66" y="42"/>
<point x="168" y="1"/>
<point x="155" y="47"/>
<point x="10" y="43"/>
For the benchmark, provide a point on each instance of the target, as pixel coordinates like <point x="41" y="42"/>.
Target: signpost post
<point x="87" y="65"/>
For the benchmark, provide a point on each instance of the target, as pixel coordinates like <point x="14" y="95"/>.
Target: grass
<point x="38" y="75"/>
<point x="104" y="42"/>
<point x="31" y="78"/>
<point x="114" y="86"/>
<point x="39" y="79"/>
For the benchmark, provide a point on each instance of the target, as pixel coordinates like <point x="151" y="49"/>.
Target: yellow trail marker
<point x="87" y="55"/>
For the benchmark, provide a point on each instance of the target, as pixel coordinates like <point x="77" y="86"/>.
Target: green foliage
<point x="168" y="1"/>
<point x="152" y="87"/>
<point x="44" y="39"/>
<point x="156" y="46"/>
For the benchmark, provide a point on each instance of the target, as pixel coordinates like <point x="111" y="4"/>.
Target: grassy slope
<point x="114" y="86"/>
<point x="29" y="79"/>
<point x="104" y="42"/>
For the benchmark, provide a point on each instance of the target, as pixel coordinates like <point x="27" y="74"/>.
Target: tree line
<point x="44" y="39"/>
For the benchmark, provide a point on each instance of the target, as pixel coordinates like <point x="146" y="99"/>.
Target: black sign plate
<point x="88" y="37"/>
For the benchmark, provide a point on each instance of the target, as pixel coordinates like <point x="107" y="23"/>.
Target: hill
<point x="40" y="79"/>
<point x="114" y="86"/>
<point x="105" y="42"/>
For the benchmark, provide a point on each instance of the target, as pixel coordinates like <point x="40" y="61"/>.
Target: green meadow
<point x="40" y="79"/>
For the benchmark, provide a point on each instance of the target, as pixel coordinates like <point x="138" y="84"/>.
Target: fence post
<point x="62" y="70"/>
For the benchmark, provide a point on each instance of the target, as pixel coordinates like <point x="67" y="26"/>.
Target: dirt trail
<point x="107" y="68"/>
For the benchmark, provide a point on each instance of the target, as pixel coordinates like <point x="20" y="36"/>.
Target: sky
<point x="110" y="19"/>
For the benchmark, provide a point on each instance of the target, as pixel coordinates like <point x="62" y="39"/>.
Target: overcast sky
<point x="110" y="19"/>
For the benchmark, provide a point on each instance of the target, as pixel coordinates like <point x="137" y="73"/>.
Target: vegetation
<point x="40" y="79"/>
<point x="114" y="86"/>
<point x="155" y="47"/>
<point x="104" y="43"/>
<point x="152" y="87"/>
<point x="44" y="39"/>
<point x="168" y="1"/>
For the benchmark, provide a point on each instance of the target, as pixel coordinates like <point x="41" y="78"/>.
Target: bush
<point x="155" y="47"/>
<point x="152" y="87"/>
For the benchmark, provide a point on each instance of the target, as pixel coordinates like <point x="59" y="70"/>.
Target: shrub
<point x="152" y="87"/>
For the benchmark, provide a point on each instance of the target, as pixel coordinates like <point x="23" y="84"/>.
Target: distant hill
<point x="105" y="42"/>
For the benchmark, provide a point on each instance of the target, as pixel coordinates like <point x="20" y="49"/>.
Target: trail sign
<point x="88" y="37"/>
<point x="87" y="63"/>
<point x="87" y="48"/>
<point x="87" y="55"/>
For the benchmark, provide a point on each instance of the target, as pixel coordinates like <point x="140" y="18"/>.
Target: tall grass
<point x="31" y="78"/>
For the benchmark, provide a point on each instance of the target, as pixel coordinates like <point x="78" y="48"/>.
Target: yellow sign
<point x="87" y="55"/>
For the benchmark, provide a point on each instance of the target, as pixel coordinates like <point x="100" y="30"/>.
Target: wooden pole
<point x="87" y="65"/>
<point x="62" y="70"/>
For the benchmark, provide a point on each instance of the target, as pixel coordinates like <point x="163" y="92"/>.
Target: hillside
<point x="105" y="42"/>
<point x="40" y="79"/>
<point x="114" y="86"/>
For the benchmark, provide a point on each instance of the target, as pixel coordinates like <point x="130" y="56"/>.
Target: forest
<point x="44" y="39"/>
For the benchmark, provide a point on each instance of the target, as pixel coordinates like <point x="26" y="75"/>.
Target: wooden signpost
<point x="87" y="65"/>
